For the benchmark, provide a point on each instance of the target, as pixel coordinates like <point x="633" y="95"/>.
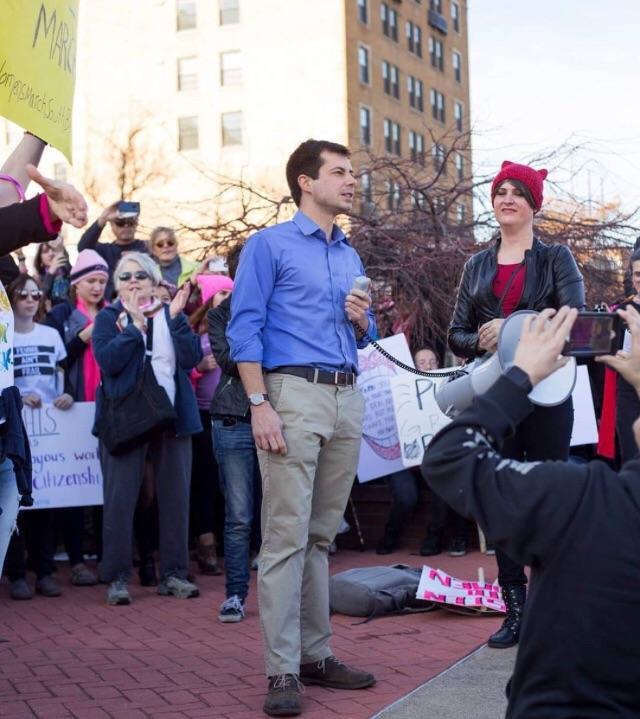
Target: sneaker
<point x="458" y="547"/>
<point x="82" y="576"/>
<point x="118" y="593"/>
<point x="232" y="609"/>
<point x="20" y="590"/>
<point x="283" y="696"/>
<point x="331" y="672"/>
<point x="431" y="546"/>
<point x="47" y="587"/>
<point x="179" y="588"/>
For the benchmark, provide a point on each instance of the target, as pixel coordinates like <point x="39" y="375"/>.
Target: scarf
<point x="90" y="369"/>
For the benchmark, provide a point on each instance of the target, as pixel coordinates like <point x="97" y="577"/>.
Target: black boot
<point x="388" y="543"/>
<point x="509" y="633"/>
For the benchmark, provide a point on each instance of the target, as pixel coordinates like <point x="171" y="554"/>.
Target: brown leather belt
<point x="318" y="376"/>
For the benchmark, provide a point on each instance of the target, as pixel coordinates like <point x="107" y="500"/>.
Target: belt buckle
<point x="316" y="373"/>
<point x="335" y="378"/>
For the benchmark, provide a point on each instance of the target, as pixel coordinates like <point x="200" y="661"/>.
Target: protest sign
<point x="437" y="586"/>
<point x="585" y="427"/>
<point x="380" y="449"/>
<point x="38" y="66"/>
<point x="418" y="416"/>
<point x="64" y="453"/>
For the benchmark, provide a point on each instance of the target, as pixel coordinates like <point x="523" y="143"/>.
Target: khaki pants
<point x="305" y="493"/>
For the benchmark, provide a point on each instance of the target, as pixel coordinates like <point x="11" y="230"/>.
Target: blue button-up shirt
<point x="289" y="295"/>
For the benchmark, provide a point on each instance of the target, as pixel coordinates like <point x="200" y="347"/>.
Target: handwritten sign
<point x="380" y="449"/>
<point x="437" y="586"/>
<point x="418" y="416"/>
<point x="38" y="66"/>
<point x="64" y="453"/>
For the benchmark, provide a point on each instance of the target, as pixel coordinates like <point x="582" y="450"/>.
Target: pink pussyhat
<point x="88" y="263"/>
<point x="210" y="285"/>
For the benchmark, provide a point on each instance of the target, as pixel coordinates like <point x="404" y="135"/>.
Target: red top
<point x="515" y="290"/>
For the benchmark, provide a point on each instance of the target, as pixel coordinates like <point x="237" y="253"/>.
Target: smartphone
<point x="361" y="283"/>
<point x="128" y="209"/>
<point x="594" y="333"/>
<point x="217" y="265"/>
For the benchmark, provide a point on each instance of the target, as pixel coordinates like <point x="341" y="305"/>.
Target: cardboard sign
<point x="437" y="586"/>
<point x="64" y="453"/>
<point x="585" y="426"/>
<point x="38" y="67"/>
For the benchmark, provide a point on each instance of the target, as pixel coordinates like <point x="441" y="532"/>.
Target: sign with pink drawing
<point x="439" y="587"/>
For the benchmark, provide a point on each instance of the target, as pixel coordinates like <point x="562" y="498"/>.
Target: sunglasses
<point x="125" y="223"/>
<point x="24" y="294"/>
<point x="165" y="243"/>
<point x="139" y="275"/>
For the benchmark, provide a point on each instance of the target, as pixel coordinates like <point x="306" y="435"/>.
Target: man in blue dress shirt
<point x="295" y="328"/>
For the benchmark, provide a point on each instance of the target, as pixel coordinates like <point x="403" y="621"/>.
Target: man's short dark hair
<point x="306" y="160"/>
<point x="233" y="257"/>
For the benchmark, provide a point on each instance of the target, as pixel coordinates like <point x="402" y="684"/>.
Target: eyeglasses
<point x="35" y="294"/>
<point x="165" y="243"/>
<point x="139" y="275"/>
<point x="125" y="223"/>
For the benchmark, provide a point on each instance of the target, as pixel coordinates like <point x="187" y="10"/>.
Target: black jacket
<point x="578" y="527"/>
<point x="230" y="398"/>
<point x="552" y="279"/>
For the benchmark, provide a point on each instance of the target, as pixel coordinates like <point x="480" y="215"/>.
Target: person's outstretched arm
<point x="28" y="151"/>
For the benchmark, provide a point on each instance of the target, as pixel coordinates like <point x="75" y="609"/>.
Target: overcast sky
<point x="548" y="71"/>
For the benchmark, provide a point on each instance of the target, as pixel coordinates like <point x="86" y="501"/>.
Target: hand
<point x="58" y="262"/>
<point x="32" y="400"/>
<point x="488" y="335"/>
<point x="86" y="334"/>
<point x="207" y="364"/>
<point x="627" y="363"/>
<point x="542" y="341"/>
<point x="64" y="401"/>
<point x="131" y="303"/>
<point x="356" y="306"/>
<point x="179" y="302"/>
<point x="108" y="214"/>
<point x="267" y="429"/>
<point x="65" y="202"/>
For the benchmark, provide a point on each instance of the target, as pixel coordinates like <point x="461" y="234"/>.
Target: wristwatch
<point x="520" y="378"/>
<point x="258" y="398"/>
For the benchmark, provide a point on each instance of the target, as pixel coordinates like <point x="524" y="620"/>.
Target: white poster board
<point x="437" y="586"/>
<point x="64" y="454"/>
<point x="380" y="449"/>
<point x="417" y="413"/>
<point x="585" y="426"/>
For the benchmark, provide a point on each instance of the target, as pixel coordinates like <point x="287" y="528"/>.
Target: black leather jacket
<point x="229" y="399"/>
<point x="552" y="279"/>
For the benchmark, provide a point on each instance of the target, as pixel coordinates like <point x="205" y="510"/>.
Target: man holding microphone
<point x="295" y="328"/>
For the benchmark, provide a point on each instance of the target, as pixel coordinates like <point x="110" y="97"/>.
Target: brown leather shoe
<point x="331" y="672"/>
<point x="207" y="561"/>
<point x="283" y="696"/>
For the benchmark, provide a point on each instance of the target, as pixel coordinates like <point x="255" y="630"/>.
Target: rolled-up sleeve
<point x="252" y="291"/>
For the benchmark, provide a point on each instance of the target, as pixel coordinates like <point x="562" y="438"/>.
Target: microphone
<point x="361" y="283"/>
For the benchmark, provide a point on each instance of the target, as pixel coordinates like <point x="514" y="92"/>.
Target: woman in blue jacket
<point x="119" y="343"/>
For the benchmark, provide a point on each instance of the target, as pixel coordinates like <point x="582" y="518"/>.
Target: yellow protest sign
<point x="38" y="67"/>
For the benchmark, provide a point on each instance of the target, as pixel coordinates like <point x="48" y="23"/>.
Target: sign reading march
<point x="64" y="454"/>
<point x="38" y="67"/>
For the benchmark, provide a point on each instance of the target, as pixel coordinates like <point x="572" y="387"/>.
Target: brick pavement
<point x="76" y="657"/>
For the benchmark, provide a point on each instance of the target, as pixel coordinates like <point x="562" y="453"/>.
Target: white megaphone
<point x="455" y="396"/>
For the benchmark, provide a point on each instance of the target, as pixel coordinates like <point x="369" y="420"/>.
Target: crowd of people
<point x="229" y="418"/>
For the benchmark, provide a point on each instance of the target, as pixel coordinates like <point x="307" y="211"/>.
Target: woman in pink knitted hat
<point x="517" y="271"/>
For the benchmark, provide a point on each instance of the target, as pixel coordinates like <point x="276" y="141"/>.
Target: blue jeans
<point x="239" y="474"/>
<point x="9" y="502"/>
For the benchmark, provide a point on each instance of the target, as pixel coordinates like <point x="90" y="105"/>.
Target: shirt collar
<point x="308" y="227"/>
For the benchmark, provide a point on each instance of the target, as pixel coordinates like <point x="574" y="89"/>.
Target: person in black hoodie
<point x="576" y="525"/>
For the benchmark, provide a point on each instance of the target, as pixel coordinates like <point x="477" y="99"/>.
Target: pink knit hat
<point x="88" y="263"/>
<point x="532" y="179"/>
<point x="210" y="285"/>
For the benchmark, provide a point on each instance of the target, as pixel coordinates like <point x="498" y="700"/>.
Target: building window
<point x="416" y="147"/>
<point x="188" y="133"/>
<point x="435" y="6"/>
<point x="461" y="213"/>
<point x="392" y="135"/>
<point x="365" y="125"/>
<point x="457" y="114"/>
<point x="437" y="105"/>
<point x="439" y="155"/>
<point x="363" y="11"/>
<point x="391" y="79"/>
<point x="229" y="12"/>
<point x="457" y="66"/>
<point x="414" y="38"/>
<point x="363" y="65"/>
<point x="187" y="74"/>
<point x="230" y="68"/>
<point x="459" y="166"/>
<point x="394" y="195"/>
<point x="436" y="53"/>
<point x="366" y="190"/>
<point x="417" y="199"/>
<point x="231" y="128"/>
<point x="416" y="93"/>
<point x="389" y="18"/>
<point x="186" y="17"/>
<point x="455" y="17"/>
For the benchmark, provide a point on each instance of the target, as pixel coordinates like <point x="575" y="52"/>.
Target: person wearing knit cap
<point x="210" y="285"/>
<point x="516" y="272"/>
